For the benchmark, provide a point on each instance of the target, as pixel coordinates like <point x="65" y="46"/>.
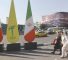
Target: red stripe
<point x="1" y="34"/>
<point x="30" y="36"/>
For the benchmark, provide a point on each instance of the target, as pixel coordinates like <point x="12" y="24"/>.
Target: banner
<point x="12" y="27"/>
<point x="29" y="33"/>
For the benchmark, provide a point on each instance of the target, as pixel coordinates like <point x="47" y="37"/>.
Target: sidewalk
<point x="43" y="52"/>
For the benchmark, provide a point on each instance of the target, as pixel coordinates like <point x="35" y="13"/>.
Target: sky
<point x="39" y="8"/>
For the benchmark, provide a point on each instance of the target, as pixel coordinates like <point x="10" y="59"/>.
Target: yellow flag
<point x="12" y="27"/>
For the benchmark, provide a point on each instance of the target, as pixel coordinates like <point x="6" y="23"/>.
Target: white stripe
<point x="29" y="25"/>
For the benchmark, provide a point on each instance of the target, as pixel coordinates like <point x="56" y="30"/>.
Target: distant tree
<point x="43" y="26"/>
<point x="37" y="25"/>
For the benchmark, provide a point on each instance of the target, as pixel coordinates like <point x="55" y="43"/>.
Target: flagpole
<point x="12" y="30"/>
<point x="5" y="41"/>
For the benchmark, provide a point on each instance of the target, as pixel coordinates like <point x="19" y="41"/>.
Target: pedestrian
<point x="58" y="44"/>
<point x="65" y="44"/>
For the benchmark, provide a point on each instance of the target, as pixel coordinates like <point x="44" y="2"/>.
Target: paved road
<point x="42" y="53"/>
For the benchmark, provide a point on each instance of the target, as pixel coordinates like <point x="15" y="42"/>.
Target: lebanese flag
<point x="1" y="33"/>
<point x="29" y="33"/>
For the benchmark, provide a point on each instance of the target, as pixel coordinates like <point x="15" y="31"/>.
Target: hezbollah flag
<point x="29" y="33"/>
<point x="1" y="33"/>
<point x="12" y="27"/>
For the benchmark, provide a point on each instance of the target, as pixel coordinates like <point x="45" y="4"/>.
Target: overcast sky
<point x="39" y="8"/>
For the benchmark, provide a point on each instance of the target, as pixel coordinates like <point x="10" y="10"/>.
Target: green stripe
<point x="29" y="13"/>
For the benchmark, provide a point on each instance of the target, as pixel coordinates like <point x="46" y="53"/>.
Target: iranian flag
<point x="29" y="33"/>
<point x="1" y="33"/>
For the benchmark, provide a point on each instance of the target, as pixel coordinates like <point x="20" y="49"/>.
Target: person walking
<point x="65" y="44"/>
<point x="58" y="44"/>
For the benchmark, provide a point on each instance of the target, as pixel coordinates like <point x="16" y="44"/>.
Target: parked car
<point x="50" y="31"/>
<point x="40" y="34"/>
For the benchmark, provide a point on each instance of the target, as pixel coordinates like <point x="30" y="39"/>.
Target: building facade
<point x="59" y="19"/>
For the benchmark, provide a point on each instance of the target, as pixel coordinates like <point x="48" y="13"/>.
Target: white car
<point x="50" y="31"/>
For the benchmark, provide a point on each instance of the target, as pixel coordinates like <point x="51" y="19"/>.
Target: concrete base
<point x="30" y="46"/>
<point x="13" y="47"/>
<point x="1" y="47"/>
